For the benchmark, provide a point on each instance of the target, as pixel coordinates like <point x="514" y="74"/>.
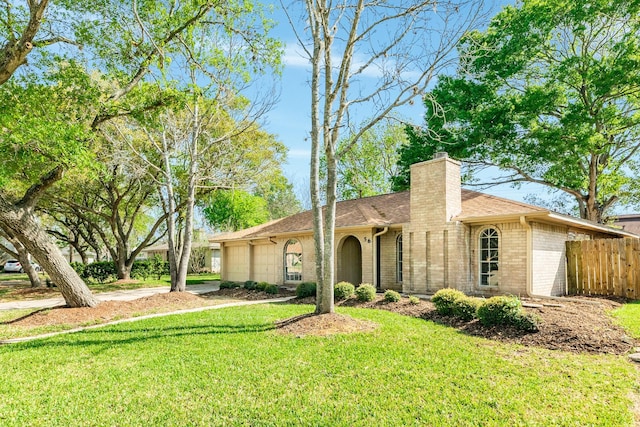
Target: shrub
<point x="261" y="286"/>
<point x="100" y="271"/>
<point x="229" y="285"/>
<point x="527" y="322"/>
<point x="444" y="300"/>
<point x="271" y="289"/>
<point x="142" y="269"/>
<point x="391" y="296"/>
<point x="414" y="300"/>
<point x="306" y="289"/>
<point x="366" y="292"/>
<point x="78" y="267"/>
<point x="250" y="285"/>
<point x="158" y="266"/>
<point x="343" y="290"/>
<point x="500" y="310"/>
<point x="465" y="308"/>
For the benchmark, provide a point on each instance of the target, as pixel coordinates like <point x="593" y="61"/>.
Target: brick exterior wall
<point x="549" y="259"/>
<point x="512" y="263"/>
<point x="388" y="260"/>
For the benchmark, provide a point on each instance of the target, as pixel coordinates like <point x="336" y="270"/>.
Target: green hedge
<point x="343" y="290"/>
<point x="366" y="292"/>
<point x="306" y="289"/>
<point x="229" y="285"/>
<point x="391" y="296"/>
<point x="444" y="300"/>
<point x="100" y="272"/>
<point x="499" y="310"/>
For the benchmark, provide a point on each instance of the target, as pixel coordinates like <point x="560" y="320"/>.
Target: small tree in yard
<point x="402" y="44"/>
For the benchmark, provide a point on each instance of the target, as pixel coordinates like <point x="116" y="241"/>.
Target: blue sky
<point x="289" y="120"/>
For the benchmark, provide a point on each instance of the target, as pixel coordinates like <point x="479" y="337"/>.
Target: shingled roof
<point x="382" y="211"/>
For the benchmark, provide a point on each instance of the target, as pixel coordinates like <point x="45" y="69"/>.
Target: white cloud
<point x="294" y="57"/>
<point x="299" y="153"/>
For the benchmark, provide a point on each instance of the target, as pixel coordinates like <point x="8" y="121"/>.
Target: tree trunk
<point x="123" y="270"/>
<point x="25" y="262"/>
<point x="327" y="304"/>
<point x="23" y="225"/>
<point x="316" y="205"/>
<point x="185" y="254"/>
<point x="21" y="255"/>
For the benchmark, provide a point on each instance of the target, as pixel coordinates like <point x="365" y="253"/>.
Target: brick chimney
<point x="437" y="249"/>
<point x="436" y="195"/>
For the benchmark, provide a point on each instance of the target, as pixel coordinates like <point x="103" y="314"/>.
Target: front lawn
<point x="629" y="316"/>
<point x="230" y="367"/>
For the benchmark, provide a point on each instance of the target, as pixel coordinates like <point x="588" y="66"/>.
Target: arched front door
<point x="350" y="261"/>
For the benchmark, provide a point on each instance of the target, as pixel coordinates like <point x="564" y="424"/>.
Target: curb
<point x="148" y="316"/>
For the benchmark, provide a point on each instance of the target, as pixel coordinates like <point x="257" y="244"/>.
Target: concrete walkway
<point x="148" y="316"/>
<point x="124" y="295"/>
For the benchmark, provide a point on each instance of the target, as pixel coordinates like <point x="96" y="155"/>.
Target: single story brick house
<point x="435" y="235"/>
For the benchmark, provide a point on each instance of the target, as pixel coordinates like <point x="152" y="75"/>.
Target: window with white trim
<point x="489" y="257"/>
<point x="293" y="261"/>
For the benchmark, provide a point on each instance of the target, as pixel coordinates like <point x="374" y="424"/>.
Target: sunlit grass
<point x="629" y="317"/>
<point x="230" y="367"/>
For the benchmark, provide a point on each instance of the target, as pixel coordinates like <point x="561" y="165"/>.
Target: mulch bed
<point x="579" y="325"/>
<point x="111" y="310"/>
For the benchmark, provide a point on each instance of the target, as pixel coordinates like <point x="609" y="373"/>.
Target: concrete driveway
<point x="124" y="295"/>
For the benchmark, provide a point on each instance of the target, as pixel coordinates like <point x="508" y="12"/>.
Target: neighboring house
<point x="205" y="256"/>
<point x="629" y="222"/>
<point x="434" y="236"/>
<point x="72" y="255"/>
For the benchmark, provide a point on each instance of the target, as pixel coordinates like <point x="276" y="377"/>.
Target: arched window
<point x="489" y="257"/>
<point x="399" y="258"/>
<point x="293" y="261"/>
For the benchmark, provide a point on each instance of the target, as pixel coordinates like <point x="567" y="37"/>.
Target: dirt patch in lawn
<point x="323" y="325"/>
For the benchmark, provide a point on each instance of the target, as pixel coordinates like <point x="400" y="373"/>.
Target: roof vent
<point x="440" y="155"/>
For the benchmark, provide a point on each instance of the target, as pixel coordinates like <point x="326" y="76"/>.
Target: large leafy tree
<point x="368" y="167"/>
<point x="131" y="56"/>
<point x="201" y="148"/>
<point x="550" y="94"/>
<point x="231" y="210"/>
<point x="116" y="203"/>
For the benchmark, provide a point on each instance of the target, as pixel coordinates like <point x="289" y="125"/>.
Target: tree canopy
<point x="550" y="94"/>
<point x="112" y="59"/>
<point x="368" y="167"/>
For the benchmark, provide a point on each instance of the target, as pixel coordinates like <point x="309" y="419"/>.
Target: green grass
<point x="12" y="276"/>
<point x="10" y="292"/>
<point x="629" y="317"/>
<point x="229" y="367"/>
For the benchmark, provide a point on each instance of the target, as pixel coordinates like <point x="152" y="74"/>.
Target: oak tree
<point x="550" y="94"/>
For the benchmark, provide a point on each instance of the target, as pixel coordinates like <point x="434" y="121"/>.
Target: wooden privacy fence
<point x="604" y="267"/>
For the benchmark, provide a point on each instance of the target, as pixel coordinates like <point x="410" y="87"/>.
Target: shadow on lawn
<point x="89" y="337"/>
